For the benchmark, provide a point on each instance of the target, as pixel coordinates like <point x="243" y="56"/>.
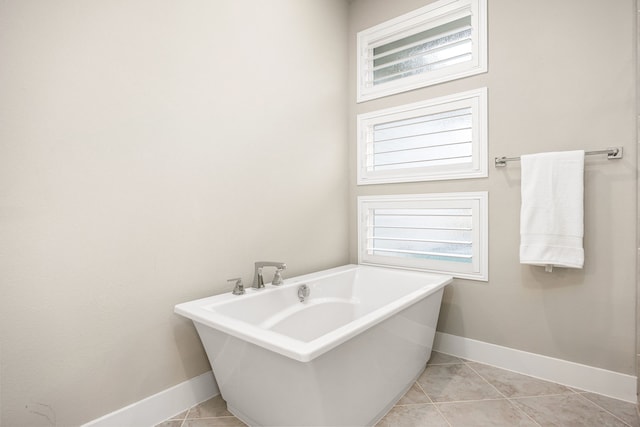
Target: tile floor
<point x="453" y="392"/>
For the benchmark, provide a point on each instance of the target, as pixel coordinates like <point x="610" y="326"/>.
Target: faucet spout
<point x="258" y="280"/>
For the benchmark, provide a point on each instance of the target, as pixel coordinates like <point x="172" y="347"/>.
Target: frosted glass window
<point x="429" y="140"/>
<point x="443" y="138"/>
<point x="442" y="41"/>
<point x="426" y="51"/>
<point x="434" y="232"/>
<point x="430" y="234"/>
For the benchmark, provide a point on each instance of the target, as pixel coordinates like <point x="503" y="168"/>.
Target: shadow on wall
<point x="450" y="312"/>
<point x="189" y="347"/>
<point x="537" y="277"/>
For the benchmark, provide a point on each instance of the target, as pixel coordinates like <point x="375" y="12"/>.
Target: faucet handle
<point x="239" y="287"/>
<point x="277" y="278"/>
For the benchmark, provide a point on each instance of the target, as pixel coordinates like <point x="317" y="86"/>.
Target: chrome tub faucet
<point x="258" y="280"/>
<point x="238" y="289"/>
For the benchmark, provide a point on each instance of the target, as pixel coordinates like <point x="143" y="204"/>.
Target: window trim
<point x="478" y="201"/>
<point x="476" y="99"/>
<point x="430" y="16"/>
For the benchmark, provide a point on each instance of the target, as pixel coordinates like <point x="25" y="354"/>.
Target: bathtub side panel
<point x="353" y="384"/>
<point x="262" y="387"/>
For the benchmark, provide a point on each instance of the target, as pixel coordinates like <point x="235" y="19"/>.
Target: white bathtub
<point x="342" y="357"/>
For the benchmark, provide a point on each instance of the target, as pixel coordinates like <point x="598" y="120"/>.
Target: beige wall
<point x="150" y="150"/>
<point x="561" y="77"/>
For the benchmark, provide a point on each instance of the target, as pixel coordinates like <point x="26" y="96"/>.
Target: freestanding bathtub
<point x="341" y="357"/>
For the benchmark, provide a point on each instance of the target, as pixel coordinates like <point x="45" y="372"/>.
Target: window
<point x="442" y="41"/>
<point x="444" y="233"/>
<point x="444" y="138"/>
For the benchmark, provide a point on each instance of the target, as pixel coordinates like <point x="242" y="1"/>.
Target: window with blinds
<point x="443" y="138"/>
<point x="442" y="41"/>
<point x="443" y="233"/>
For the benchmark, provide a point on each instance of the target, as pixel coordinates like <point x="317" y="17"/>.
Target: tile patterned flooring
<point x="453" y="392"/>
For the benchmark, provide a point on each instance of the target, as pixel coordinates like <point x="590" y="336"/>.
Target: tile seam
<point x="520" y="410"/>
<point x="543" y="395"/>
<point x="603" y="409"/>
<point x="211" y="418"/>
<point x="490" y="399"/>
<point x="424" y="391"/>
<point x="432" y="402"/>
<point x="446" y="420"/>
<point x="486" y="380"/>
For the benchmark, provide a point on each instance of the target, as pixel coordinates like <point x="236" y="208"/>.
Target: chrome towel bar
<point x="612" y="153"/>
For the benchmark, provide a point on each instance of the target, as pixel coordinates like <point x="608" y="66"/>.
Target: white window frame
<point x="477" y="201"/>
<point x="430" y="16"/>
<point x="475" y="99"/>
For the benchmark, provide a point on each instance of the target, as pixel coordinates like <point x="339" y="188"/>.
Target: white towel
<point x="552" y="214"/>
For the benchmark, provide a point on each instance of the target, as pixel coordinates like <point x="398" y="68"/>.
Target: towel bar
<point x="612" y="153"/>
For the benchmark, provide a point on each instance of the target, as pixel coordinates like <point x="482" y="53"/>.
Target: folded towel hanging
<point x="552" y="211"/>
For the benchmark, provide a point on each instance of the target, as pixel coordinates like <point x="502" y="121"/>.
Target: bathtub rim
<point x="200" y="311"/>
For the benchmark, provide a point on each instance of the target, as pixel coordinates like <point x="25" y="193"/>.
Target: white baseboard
<point x="596" y="380"/>
<point x="161" y="406"/>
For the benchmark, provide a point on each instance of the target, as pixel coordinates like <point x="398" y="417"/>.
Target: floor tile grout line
<point x="186" y="416"/>
<point x="446" y="420"/>
<point x="457" y="402"/>
<point x="525" y="412"/>
<point x="210" y="418"/>
<point x="413" y="404"/>
<point x="567" y="394"/>
<point x="430" y="400"/>
<point x="433" y="403"/>
<point x="570" y="391"/>
<point x="423" y="391"/>
<point x="540" y="395"/>
<point x="520" y="410"/>
<point x="459" y="362"/>
<point x="491" y="399"/>
<point x="605" y="410"/>
<point x="442" y="415"/>
<point x="487" y="381"/>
